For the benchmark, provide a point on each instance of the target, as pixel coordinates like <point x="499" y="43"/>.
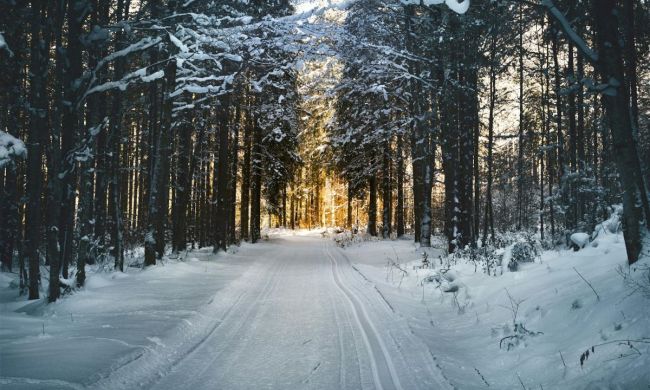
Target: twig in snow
<point x="562" y="357"/>
<point x="589" y="284"/>
<point x="385" y="300"/>
<point x="643" y="340"/>
<point x="520" y="381"/>
<point x="514" y="306"/>
<point x="482" y="377"/>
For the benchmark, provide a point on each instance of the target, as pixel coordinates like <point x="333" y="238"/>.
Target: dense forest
<point x="172" y="125"/>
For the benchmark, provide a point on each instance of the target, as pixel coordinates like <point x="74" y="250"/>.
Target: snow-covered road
<point x="303" y="318"/>
<point x="290" y="313"/>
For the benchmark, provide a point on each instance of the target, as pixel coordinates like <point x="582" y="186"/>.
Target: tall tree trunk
<point x="232" y="187"/>
<point x="8" y="214"/>
<point x="246" y="180"/>
<point x="185" y="164"/>
<point x="95" y="113"/>
<point x="56" y="167"/>
<point x="427" y="185"/>
<point x="155" y="236"/>
<point x="616" y="100"/>
<point x="12" y="108"/>
<point x="256" y="184"/>
<point x="386" y="192"/>
<point x="558" y="110"/>
<point x="580" y="136"/>
<point x="416" y="128"/>
<point x="488" y="224"/>
<point x="348" y="220"/>
<point x="572" y="217"/>
<point x="221" y="231"/>
<point x="631" y="61"/>
<point x="35" y="141"/>
<point x="70" y="129"/>
<point x="372" y="206"/>
<point x="113" y="143"/>
<point x="521" y="146"/>
<point x="399" y="215"/>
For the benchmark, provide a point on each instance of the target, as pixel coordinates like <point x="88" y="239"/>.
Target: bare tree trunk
<point x="616" y="100"/>
<point x="631" y="61"/>
<point x="185" y="168"/>
<point x="12" y="107"/>
<point x="221" y="231"/>
<point x="113" y="143"/>
<point x="35" y="141"/>
<point x="572" y="217"/>
<point x="372" y="206"/>
<point x="349" y="208"/>
<point x="520" y="152"/>
<point x="558" y="110"/>
<point x="386" y="192"/>
<point x="70" y="130"/>
<point x="246" y="180"/>
<point x="399" y="215"/>
<point x="488" y="222"/>
<point x="55" y="169"/>
<point x="234" y="157"/>
<point x="256" y="185"/>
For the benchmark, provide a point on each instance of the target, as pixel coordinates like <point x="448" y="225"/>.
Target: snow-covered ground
<point x="298" y="312"/>
<point x="290" y="313"/>
<point x="464" y="326"/>
<point x="115" y="319"/>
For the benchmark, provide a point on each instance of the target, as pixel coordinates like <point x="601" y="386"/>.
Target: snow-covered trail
<point x="301" y="318"/>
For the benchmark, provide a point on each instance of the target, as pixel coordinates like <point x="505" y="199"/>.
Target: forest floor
<point x="298" y="312"/>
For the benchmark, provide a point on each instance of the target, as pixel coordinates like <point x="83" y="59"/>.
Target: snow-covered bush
<point x="522" y="252"/>
<point x="579" y="240"/>
<point x="612" y="225"/>
<point x="509" y="249"/>
<point x="487" y="258"/>
<point x="347" y="237"/>
<point x="11" y="149"/>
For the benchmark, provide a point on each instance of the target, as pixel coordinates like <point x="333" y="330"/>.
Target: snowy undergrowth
<point x="530" y="328"/>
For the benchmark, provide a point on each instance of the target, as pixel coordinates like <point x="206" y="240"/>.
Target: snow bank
<point x="533" y="326"/>
<point x="117" y="318"/>
<point x="580" y="239"/>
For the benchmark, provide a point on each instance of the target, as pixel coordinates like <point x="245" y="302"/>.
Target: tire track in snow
<point x="149" y="366"/>
<point x="228" y="332"/>
<point x="383" y="370"/>
<point x="339" y="333"/>
<point x="41" y="383"/>
<point x="233" y="342"/>
<point x="436" y="374"/>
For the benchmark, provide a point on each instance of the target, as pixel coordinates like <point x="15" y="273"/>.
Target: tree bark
<point x="246" y="180"/>
<point x="256" y="184"/>
<point x="386" y="192"/>
<point x="372" y="206"/>
<point x="399" y="215"/>
<point x="616" y="100"/>
<point x="221" y="231"/>
<point x="35" y="141"/>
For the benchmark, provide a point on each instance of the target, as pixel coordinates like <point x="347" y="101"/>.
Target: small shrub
<point x="524" y="251"/>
